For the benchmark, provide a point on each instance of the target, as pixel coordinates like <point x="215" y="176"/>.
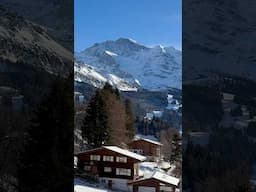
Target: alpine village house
<point x="112" y="165"/>
<point x="149" y="148"/>
<point x="119" y="169"/>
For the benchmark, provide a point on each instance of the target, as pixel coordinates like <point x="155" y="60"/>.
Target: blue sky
<point x="149" y="22"/>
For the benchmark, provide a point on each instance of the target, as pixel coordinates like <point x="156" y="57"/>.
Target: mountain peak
<point x="125" y="40"/>
<point x="129" y="65"/>
<point x="160" y="47"/>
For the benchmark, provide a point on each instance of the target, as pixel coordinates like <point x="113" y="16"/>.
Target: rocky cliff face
<point x="55" y="15"/>
<point x="25" y="44"/>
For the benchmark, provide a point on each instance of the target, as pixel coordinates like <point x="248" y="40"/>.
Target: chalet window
<point x="87" y="168"/>
<point x="158" y="151"/>
<point x="108" y="158"/>
<point x="139" y="151"/>
<point x="122" y="171"/>
<point x="95" y="157"/>
<point x="107" y="169"/>
<point x="121" y="159"/>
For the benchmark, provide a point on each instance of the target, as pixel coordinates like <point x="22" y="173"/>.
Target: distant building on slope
<point x="173" y="104"/>
<point x="149" y="116"/>
<point x="79" y="98"/>
<point x="113" y="166"/>
<point x="147" y="146"/>
<point x="154" y="114"/>
<point x="158" y="114"/>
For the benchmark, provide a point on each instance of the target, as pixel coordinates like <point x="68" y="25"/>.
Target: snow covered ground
<point x="83" y="186"/>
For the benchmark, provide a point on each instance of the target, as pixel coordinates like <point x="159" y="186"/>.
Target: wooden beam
<point x="158" y="188"/>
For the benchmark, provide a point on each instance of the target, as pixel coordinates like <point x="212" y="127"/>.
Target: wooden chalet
<point x="158" y="180"/>
<point x="147" y="147"/>
<point x="112" y="165"/>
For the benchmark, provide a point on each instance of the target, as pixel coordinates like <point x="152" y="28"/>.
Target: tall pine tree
<point x="95" y="129"/>
<point x="130" y="119"/>
<point x="106" y="121"/>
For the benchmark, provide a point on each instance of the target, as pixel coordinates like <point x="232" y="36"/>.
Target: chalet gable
<point x="158" y="177"/>
<point x="146" y="139"/>
<point x="105" y="151"/>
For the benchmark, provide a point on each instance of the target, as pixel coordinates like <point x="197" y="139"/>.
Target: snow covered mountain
<point x="129" y="66"/>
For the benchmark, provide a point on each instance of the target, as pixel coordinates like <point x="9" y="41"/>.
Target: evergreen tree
<point x="108" y="87"/>
<point x="95" y="129"/>
<point x="105" y="119"/>
<point x="129" y="119"/>
<point x="117" y="93"/>
<point x="46" y="163"/>
<point x="176" y="147"/>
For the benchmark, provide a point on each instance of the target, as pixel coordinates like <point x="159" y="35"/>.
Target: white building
<point x="78" y="97"/>
<point x="173" y="104"/>
<point x="158" y="114"/>
<point x="149" y="116"/>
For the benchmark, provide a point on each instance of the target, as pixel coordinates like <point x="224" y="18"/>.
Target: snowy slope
<point x="129" y="65"/>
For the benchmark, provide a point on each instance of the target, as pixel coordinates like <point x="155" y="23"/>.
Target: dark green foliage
<point x="223" y="165"/>
<point x="176" y="147"/>
<point x="107" y="120"/>
<point x="46" y="164"/>
<point x="117" y="93"/>
<point x="152" y="127"/>
<point x="95" y="128"/>
<point x="129" y="119"/>
<point x="109" y="88"/>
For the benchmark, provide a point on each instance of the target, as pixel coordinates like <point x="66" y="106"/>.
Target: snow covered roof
<point x="161" y="177"/>
<point x="164" y="165"/>
<point x="158" y="113"/>
<point x="149" y="116"/>
<point x="169" y="96"/>
<point x="125" y="152"/>
<point x="165" y="178"/>
<point x="117" y="150"/>
<point x="147" y="138"/>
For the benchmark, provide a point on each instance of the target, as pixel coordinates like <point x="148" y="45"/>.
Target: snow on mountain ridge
<point x="126" y="63"/>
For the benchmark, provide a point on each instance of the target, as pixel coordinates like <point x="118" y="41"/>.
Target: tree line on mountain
<point x="150" y="127"/>
<point x="223" y="165"/>
<point x="108" y="120"/>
